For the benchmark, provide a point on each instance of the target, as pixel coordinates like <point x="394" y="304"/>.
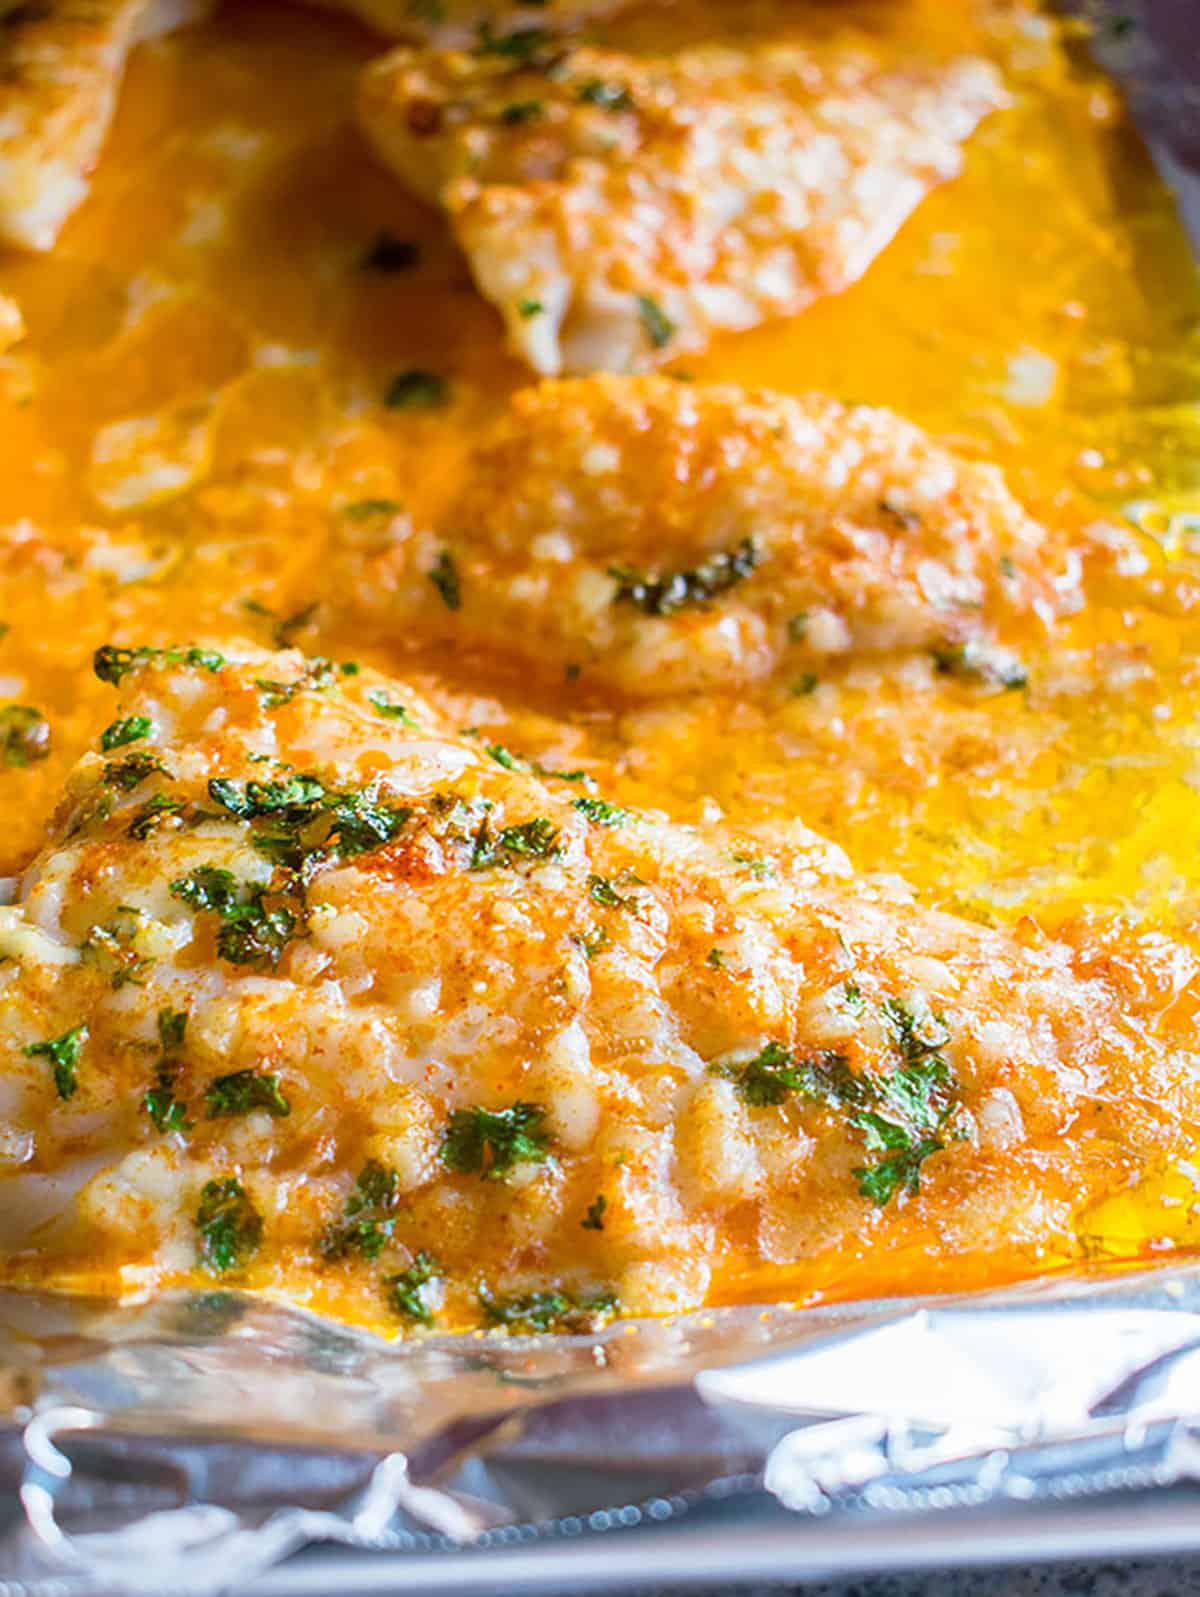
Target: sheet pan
<point x="214" y="1442"/>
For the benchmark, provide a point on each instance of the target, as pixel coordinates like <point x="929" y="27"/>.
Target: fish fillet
<point x="619" y="210"/>
<point x="309" y="987"/>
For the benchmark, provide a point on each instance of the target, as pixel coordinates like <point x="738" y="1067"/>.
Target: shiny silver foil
<point x="191" y="1444"/>
<point x="194" y="1444"/>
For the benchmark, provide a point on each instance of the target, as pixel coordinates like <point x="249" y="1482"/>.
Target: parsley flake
<point x="492" y="1142"/>
<point x="663" y="593"/>
<point x="370" y="1215"/>
<point x="243" y="1091"/>
<point x="129" y="729"/>
<point x="230" y="1227"/>
<point x="416" y="389"/>
<point x="406" y="1293"/>
<point x="63" y="1053"/>
<point x="24" y="735"/>
<point x="659" y="327"/>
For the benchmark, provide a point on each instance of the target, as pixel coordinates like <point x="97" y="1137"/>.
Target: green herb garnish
<point x="600" y="812"/>
<point x="405" y="1292"/>
<point x="493" y="1142"/>
<point x="112" y="664"/>
<point x="662" y="594"/>
<point x="63" y="1053"/>
<point x="393" y="712"/>
<point x="24" y="735"/>
<point x="242" y="1092"/>
<point x="445" y="579"/>
<point x="129" y="729"/>
<point x="230" y="1227"/>
<point x="549" y="1310"/>
<point x="370" y="1215"/>
<point x="416" y="389"/>
<point x="979" y="661"/>
<point x="659" y="327"/>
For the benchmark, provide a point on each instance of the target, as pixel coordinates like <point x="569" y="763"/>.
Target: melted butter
<point x="201" y="393"/>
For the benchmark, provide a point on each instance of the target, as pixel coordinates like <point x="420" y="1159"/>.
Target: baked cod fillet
<point x="61" y="64"/>
<point x="309" y="991"/>
<point x="660" y="537"/>
<point x="620" y="210"/>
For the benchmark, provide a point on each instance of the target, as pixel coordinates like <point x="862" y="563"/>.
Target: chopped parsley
<point x="521" y="111"/>
<point x="806" y="684"/>
<point x="292" y="801"/>
<point x="913" y="1106"/>
<point x="129" y="729"/>
<point x="208" y="887"/>
<point x="393" y="712"/>
<point x="979" y="661"/>
<point x="716" y="958"/>
<point x="133" y="770"/>
<point x="172" y="1027"/>
<point x="387" y="253"/>
<point x="663" y="593"/>
<point x="600" y="812"/>
<point x="242" y="1092"/>
<point x="907" y="517"/>
<point x="24" y="735"/>
<point x="536" y="839"/>
<point x="370" y="1215"/>
<point x="368" y="509"/>
<point x="406" y="1292"/>
<point x="112" y="664"/>
<point x="113" y="947"/>
<point x="318" y="673"/>
<point x="898" y="1172"/>
<point x="527" y="309"/>
<point x="445" y="578"/>
<point x="63" y="1053"/>
<point x="361" y="823"/>
<point x="148" y="817"/>
<point x="760" y="868"/>
<point x="315" y="826"/>
<point x="416" y="389"/>
<point x="900" y="1114"/>
<point x="522" y="45"/>
<point x="601" y="891"/>
<point x="249" y="932"/>
<point x="774" y="1074"/>
<point x="608" y="96"/>
<point x="659" y="327"/>
<point x="166" y="1111"/>
<point x="492" y="1142"/>
<point x="229" y="1226"/>
<point x="548" y="1310"/>
<point x="593" y="1220"/>
<point x="284" y="628"/>
<point x="503" y="756"/>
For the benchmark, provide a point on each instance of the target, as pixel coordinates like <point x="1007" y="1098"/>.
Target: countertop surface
<point x="1164" y="1578"/>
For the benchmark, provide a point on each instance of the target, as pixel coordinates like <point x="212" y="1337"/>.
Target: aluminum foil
<point x="197" y="1442"/>
<point x="194" y="1442"/>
